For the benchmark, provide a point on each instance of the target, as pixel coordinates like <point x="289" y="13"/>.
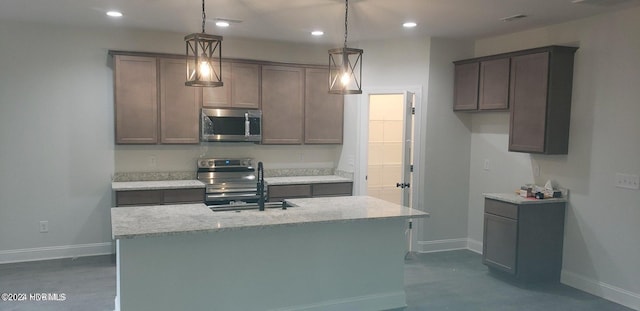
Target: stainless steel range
<point x="228" y="181"/>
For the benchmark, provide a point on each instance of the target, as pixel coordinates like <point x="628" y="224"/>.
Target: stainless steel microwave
<point x="236" y="125"/>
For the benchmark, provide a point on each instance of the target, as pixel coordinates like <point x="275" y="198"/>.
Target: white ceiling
<point x="292" y="20"/>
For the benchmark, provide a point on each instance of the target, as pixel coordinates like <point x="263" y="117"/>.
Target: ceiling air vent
<point x="513" y="17"/>
<point x="599" y="2"/>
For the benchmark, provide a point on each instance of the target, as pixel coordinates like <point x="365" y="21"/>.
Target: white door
<point x="389" y="147"/>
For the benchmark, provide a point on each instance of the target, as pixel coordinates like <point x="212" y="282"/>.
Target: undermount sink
<point x="250" y="206"/>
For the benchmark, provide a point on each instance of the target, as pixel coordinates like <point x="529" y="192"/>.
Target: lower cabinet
<point x="281" y="192"/>
<point x="524" y="240"/>
<point x="159" y="197"/>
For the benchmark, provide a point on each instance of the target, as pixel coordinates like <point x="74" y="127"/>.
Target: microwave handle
<point x="246" y="124"/>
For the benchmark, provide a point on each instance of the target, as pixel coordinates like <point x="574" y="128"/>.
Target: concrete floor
<point x="454" y="280"/>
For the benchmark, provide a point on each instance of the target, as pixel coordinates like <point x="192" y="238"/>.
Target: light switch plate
<point x="628" y="181"/>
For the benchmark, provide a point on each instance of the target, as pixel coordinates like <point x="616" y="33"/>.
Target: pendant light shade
<point x="345" y="65"/>
<point x="204" y="58"/>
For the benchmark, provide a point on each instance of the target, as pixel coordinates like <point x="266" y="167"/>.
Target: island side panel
<point x="357" y="265"/>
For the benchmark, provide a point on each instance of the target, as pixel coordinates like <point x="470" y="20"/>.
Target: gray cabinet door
<point x="529" y="80"/>
<point x="466" y="86"/>
<point x="323" y="112"/>
<point x="499" y="245"/>
<point x="282" y="105"/>
<point x="245" y="85"/>
<point x="494" y="84"/>
<point x="136" y="105"/>
<point x="219" y="97"/>
<point x="179" y="105"/>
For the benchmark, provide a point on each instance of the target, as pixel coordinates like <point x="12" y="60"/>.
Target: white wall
<point x="401" y="64"/>
<point x="56" y="133"/>
<point x="447" y="148"/>
<point x="601" y="249"/>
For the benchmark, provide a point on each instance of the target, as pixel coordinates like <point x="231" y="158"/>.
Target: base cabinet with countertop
<point x="523" y="237"/>
<point x="139" y="193"/>
<point x="281" y="188"/>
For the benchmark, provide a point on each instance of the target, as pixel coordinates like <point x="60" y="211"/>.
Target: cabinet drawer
<point x="332" y="189"/>
<point x="501" y="208"/>
<point x="290" y="191"/>
<point x="141" y="197"/>
<point x="183" y="196"/>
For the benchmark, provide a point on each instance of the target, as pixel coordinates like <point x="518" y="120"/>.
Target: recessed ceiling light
<point x="114" y="14"/>
<point x="317" y="33"/>
<point x="409" y="25"/>
<point x="222" y="24"/>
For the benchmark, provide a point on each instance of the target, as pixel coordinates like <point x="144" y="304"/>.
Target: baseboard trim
<point x="601" y="289"/>
<point x="441" y="245"/>
<point x="382" y="301"/>
<point x="55" y="252"/>
<point x="474" y="246"/>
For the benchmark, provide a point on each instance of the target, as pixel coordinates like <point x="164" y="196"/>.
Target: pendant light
<point x="204" y="58"/>
<point x="345" y="65"/>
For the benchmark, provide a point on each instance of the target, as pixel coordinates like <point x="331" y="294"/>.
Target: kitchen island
<point x="338" y="253"/>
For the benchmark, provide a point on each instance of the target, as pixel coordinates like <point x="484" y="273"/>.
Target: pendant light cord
<point x="204" y="16"/>
<point x="346" y="25"/>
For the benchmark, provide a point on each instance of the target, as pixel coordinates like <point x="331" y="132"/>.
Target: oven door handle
<point x="227" y="195"/>
<point x="237" y="190"/>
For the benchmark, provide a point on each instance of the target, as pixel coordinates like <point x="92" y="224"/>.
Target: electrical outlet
<point x="153" y="161"/>
<point x="627" y="181"/>
<point x="44" y="226"/>
<point x="536" y="170"/>
<point x="486" y="164"/>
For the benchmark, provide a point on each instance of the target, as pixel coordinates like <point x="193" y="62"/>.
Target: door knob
<point x="402" y="185"/>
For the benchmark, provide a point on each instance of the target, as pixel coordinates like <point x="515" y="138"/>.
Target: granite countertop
<point x="153" y="185"/>
<point x="516" y="199"/>
<point x="293" y="180"/>
<point x="161" y="220"/>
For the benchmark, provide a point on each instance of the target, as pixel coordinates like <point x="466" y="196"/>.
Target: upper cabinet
<point x="535" y="85"/>
<point x="282" y="105"/>
<point x="179" y="105"/>
<point x="136" y="104"/>
<point x="323" y="112"/>
<point x="541" y="83"/>
<point x="141" y="117"/>
<point x="481" y="85"/>
<point x="465" y="96"/>
<point x="494" y="84"/>
<point x="241" y="87"/>
<point x="219" y="97"/>
<point x="245" y="85"/>
<point x="297" y="107"/>
<point x="153" y="106"/>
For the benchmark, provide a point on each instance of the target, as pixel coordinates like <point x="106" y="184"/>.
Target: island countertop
<point x="160" y="220"/>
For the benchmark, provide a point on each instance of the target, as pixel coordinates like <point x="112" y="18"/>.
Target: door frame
<point x="362" y="141"/>
<point x="360" y="184"/>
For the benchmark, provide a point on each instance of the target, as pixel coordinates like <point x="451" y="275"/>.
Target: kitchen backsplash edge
<point x="286" y="172"/>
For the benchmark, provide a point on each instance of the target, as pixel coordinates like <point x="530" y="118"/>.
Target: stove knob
<point x="203" y="163"/>
<point x="245" y="162"/>
<point x="211" y="163"/>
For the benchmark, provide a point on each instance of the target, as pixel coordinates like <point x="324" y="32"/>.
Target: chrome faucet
<point x="260" y="186"/>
